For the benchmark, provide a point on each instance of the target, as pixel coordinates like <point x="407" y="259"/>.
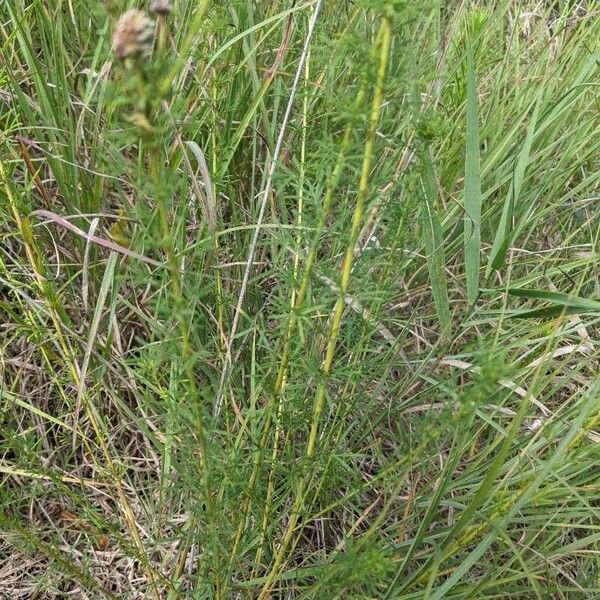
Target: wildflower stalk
<point x="131" y="41"/>
<point x="275" y="451"/>
<point x="292" y="323"/>
<point x="298" y="303"/>
<point x="187" y="352"/>
<point x="156" y="164"/>
<point x="319" y="401"/>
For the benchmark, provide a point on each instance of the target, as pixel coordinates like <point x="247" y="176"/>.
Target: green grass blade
<point x="473" y="197"/>
<point x="561" y="304"/>
<point x="503" y="233"/>
<point x="434" y="242"/>
<point x="34" y="409"/>
<point x="433" y="239"/>
<point x="590" y="402"/>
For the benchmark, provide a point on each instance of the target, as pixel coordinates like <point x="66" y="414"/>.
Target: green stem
<point x="299" y="298"/>
<point x="319" y="401"/>
<point x="186" y="350"/>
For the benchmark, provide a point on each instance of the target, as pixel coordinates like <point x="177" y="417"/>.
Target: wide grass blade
<point x="503" y="233"/>
<point x="473" y="196"/>
<point x="434" y="242"/>
<point x="499" y="523"/>
<point x="433" y="239"/>
<point x="561" y="304"/>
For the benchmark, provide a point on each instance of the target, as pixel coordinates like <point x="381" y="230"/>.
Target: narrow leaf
<point x="434" y="242"/>
<point x="472" y="230"/>
<point x="433" y="239"/>
<point x="561" y="304"/>
<point x="503" y="233"/>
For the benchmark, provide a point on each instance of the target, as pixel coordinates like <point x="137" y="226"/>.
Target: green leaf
<point x="433" y="239"/>
<point x="503" y="233"/>
<point x="434" y="242"/>
<point x="472" y="230"/>
<point x="562" y="304"/>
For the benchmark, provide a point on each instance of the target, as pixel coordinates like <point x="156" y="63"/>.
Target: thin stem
<point x="263" y="205"/>
<point x="299" y="297"/>
<point x="280" y="407"/>
<point x="319" y="401"/>
<point x="187" y="354"/>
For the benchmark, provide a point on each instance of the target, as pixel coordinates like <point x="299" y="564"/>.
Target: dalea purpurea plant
<point x="298" y="300"/>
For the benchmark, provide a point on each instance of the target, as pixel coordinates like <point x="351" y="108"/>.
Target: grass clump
<point x="299" y="301"/>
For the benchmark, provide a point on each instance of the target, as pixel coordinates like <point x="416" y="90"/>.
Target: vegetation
<point x="299" y="299"/>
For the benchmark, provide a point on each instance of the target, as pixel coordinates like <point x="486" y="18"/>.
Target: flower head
<point x="133" y="35"/>
<point x="161" y="7"/>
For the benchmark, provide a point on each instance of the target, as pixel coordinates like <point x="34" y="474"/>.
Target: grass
<point x="303" y="303"/>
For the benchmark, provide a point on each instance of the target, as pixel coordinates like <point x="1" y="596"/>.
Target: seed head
<point x="133" y="35"/>
<point x="161" y="7"/>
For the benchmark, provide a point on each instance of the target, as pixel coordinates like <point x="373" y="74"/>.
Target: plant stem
<point x="319" y="401"/>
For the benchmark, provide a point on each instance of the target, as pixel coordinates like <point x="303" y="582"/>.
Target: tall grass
<point x="300" y="312"/>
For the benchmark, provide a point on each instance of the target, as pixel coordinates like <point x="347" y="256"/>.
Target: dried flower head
<point x="133" y="35"/>
<point x="161" y="7"/>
